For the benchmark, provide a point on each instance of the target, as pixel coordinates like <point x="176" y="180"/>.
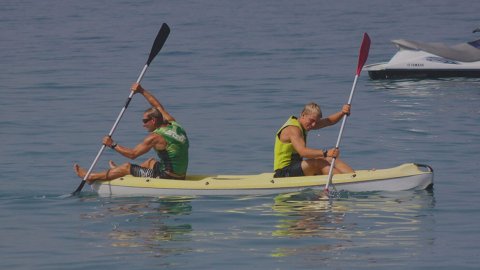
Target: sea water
<point x="231" y="72"/>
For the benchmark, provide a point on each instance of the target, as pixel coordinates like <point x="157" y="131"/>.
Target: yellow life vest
<point x="284" y="153"/>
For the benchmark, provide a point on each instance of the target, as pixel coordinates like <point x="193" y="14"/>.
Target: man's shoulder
<point x="292" y="129"/>
<point x="175" y="124"/>
<point x="153" y="136"/>
<point x="289" y="132"/>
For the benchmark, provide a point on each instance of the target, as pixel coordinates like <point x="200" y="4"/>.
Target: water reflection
<point x="307" y="213"/>
<point x="424" y="87"/>
<point x="303" y="228"/>
<point x="145" y="223"/>
<point x="368" y="223"/>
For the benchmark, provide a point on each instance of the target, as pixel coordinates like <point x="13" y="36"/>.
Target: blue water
<point x="231" y="72"/>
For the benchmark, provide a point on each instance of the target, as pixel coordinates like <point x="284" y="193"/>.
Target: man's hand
<point x="137" y="88"/>
<point x="107" y="141"/>
<point x="346" y="109"/>
<point x="334" y="153"/>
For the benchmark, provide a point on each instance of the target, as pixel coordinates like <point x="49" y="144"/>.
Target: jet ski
<point x="429" y="60"/>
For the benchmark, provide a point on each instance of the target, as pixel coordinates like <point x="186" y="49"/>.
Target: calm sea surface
<point x="232" y="72"/>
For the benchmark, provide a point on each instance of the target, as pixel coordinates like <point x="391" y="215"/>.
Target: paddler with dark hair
<point x="292" y="157"/>
<point x="166" y="137"/>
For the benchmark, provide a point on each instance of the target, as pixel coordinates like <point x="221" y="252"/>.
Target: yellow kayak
<point x="404" y="177"/>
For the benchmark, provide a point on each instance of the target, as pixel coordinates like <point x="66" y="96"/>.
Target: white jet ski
<point x="429" y="60"/>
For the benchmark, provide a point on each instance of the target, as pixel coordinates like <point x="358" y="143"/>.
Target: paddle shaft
<point x="362" y="58"/>
<point x="156" y="47"/>
<point x="339" y="138"/>
<point x="112" y="130"/>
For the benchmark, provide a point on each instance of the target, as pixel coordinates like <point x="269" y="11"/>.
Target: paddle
<point x="362" y="58"/>
<point x="156" y="47"/>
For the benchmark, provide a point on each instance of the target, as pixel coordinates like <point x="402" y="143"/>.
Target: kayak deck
<point x="404" y="177"/>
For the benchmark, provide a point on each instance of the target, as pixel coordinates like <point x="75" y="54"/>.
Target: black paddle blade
<point x="79" y="188"/>
<point x="159" y="41"/>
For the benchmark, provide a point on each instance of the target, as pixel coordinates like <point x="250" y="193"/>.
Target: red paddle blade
<point x="364" y="49"/>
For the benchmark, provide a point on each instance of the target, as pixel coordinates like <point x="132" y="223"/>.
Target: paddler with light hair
<point x="166" y="137"/>
<point x="292" y="157"/>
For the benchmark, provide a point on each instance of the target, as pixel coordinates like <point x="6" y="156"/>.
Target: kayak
<point x="409" y="176"/>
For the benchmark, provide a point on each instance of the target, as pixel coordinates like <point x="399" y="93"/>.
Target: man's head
<point x="152" y="119"/>
<point x="310" y="116"/>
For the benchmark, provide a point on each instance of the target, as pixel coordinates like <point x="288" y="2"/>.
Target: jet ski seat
<point x="463" y="52"/>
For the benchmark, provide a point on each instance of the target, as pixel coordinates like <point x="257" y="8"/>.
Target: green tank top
<point x="284" y="153"/>
<point x="175" y="157"/>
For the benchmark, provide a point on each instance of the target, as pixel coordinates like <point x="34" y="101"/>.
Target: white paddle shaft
<point x="332" y="165"/>
<point x="120" y="115"/>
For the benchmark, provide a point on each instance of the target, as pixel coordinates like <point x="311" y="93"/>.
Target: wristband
<point x="113" y="145"/>
<point x="325" y="153"/>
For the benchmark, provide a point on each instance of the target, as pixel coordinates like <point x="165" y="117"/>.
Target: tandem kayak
<point x="409" y="176"/>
